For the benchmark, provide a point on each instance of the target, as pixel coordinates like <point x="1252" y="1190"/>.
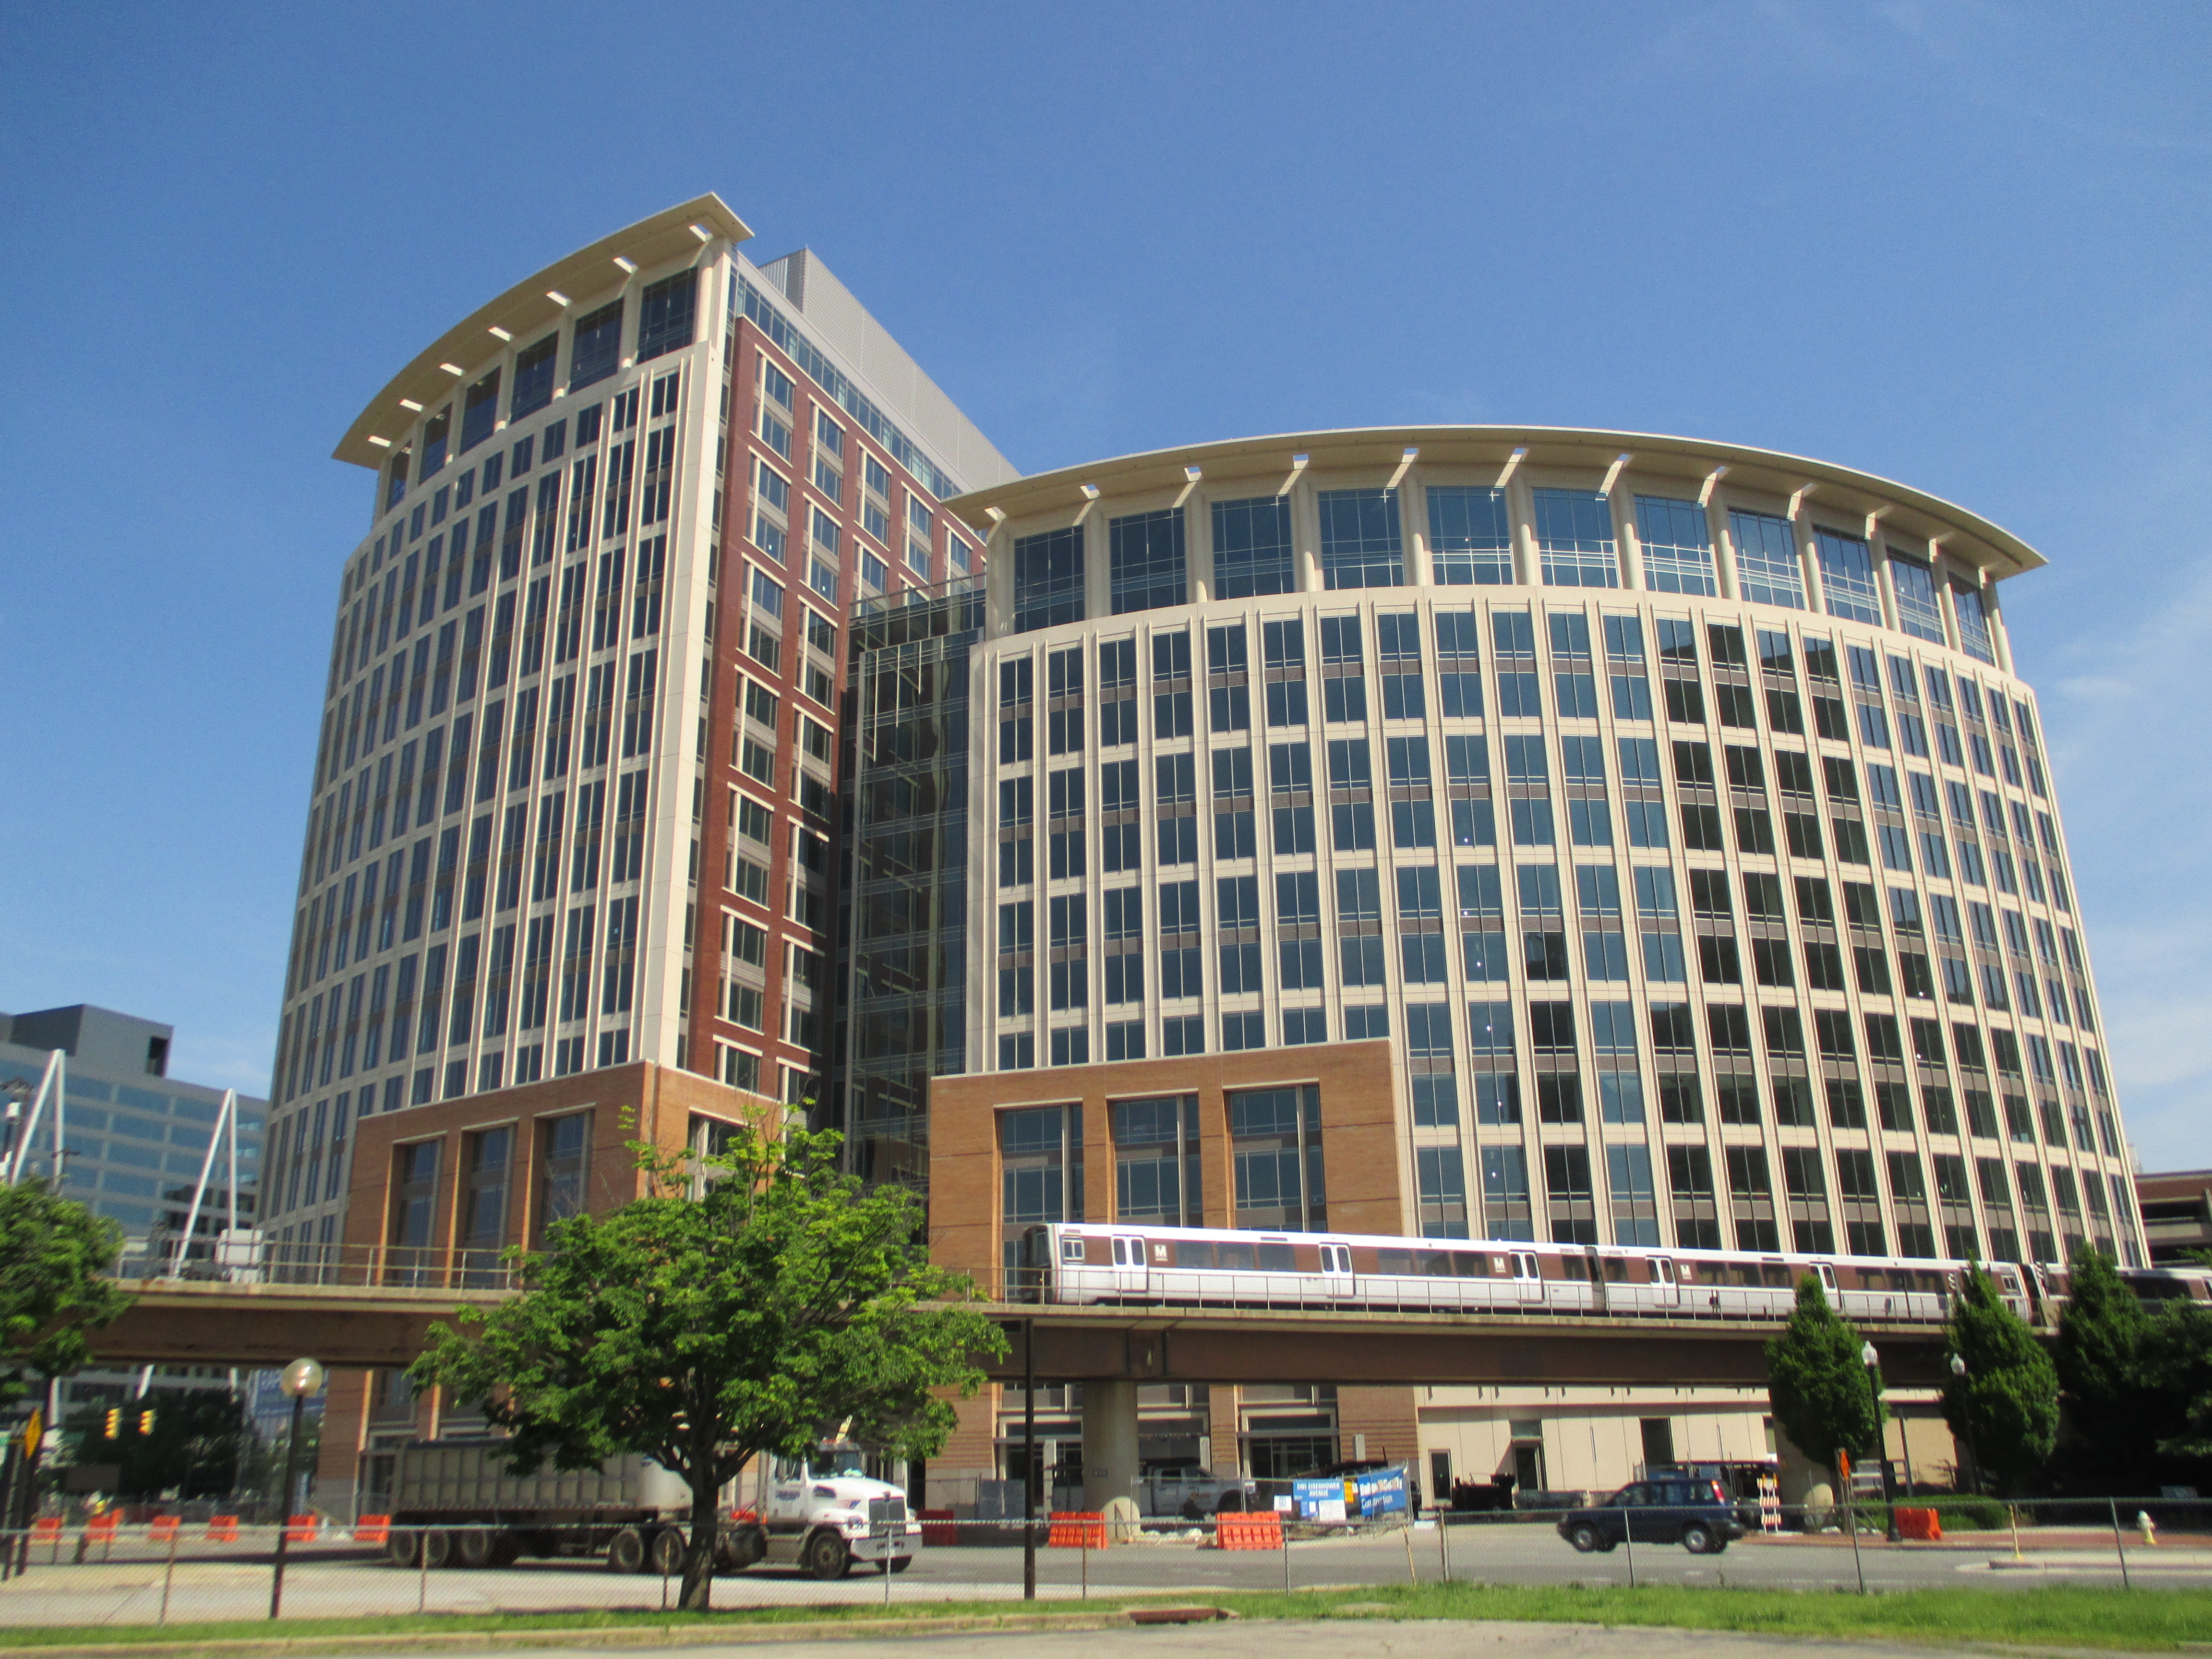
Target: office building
<point x="2176" y="1215"/>
<point x="571" y="839"/>
<point x="1475" y="832"/>
<point x="574" y="802"/>
<point x="136" y="1143"/>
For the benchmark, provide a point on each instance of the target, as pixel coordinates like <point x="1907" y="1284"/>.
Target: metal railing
<point x="78" y="1570"/>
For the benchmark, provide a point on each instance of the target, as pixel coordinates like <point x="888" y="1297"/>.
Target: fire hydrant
<point x="2148" y="1527"/>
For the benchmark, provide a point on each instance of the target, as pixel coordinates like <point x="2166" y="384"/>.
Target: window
<point x="1676" y="545"/>
<point x="1470" y="537"/>
<point x="1360" y="542"/>
<point x="1048" y="579"/>
<point x="1275" y="1138"/>
<point x="479" y="414"/>
<point x="1767" y="571"/>
<point x="597" y="352"/>
<point x="1252" y="551"/>
<point x="1972" y="613"/>
<point x="1919" y="611"/>
<point x="1574" y="540"/>
<point x="533" y="378"/>
<point x="665" y="314"/>
<point x="1146" y="560"/>
<point x="1847" y="577"/>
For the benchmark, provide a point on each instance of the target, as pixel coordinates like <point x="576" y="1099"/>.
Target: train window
<point x="1573" y="1267"/>
<point x="1615" y="1269"/>
<point x="1436" y="1264"/>
<point x="1277" y="1259"/>
<point x="1779" y="1278"/>
<point x="1465" y="1266"/>
<point x="1070" y="1250"/>
<point x="1394" y="1262"/>
<point x="1237" y="1256"/>
<point x="1193" y="1252"/>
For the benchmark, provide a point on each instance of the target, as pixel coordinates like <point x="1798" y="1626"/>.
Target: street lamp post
<point x="1871" y="1357"/>
<point x="301" y="1378"/>
<point x="1966" y="1411"/>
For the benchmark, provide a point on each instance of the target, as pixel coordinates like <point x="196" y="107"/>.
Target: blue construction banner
<point x="1381" y="1492"/>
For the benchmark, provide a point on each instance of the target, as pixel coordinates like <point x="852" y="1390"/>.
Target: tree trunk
<point x="706" y="1536"/>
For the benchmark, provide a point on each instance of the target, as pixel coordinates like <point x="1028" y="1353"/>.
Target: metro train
<point x="1129" y="1263"/>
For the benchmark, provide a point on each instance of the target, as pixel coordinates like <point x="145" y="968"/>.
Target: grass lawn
<point x="2048" y="1616"/>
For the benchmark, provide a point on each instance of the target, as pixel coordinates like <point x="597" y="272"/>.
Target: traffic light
<point x="114" y="1421"/>
<point x="146" y="1421"/>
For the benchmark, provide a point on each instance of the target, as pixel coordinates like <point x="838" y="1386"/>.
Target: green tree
<point x="752" y="1301"/>
<point x="2178" y="1354"/>
<point x="54" y="1256"/>
<point x="2006" y="1404"/>
<point x="1818" y="1387"/>
<point x="2113" y="1402"/>
<point x="192" y="1451"/>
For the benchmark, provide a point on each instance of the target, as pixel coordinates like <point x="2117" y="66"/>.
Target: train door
<point x="1336" y="1270"/>
<point x="1665" y="1292"/>
<point x="1527" y="1278"/>
<point x="1130" y="1277"/>
<point x="1829" y="1283"/>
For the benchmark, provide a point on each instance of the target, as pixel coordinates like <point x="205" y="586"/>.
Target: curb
<point x="622" y="1635"/>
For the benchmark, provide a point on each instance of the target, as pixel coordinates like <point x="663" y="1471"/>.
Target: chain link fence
<point x="167" y="1569"/>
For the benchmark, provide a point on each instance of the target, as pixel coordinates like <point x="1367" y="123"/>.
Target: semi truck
<point x="454" y="1502"/>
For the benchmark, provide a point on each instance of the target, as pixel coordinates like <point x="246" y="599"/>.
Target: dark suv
<point x="1695" y="1514"/>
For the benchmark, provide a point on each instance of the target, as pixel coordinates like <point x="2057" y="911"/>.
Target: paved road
<point x="324" y="1583"/>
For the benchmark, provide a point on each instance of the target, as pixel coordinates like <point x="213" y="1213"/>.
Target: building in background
<point x="573" y="836"/>
<point x="2177" y="1213"/>
<point x="1668" y="816"/>
<point x="136" y="1143"/>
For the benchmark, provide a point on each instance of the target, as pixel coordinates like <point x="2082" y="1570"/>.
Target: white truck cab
<point x="824" y="1514"/>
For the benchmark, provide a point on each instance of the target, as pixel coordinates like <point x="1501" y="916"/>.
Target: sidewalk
<point x="2094" y="1540"/>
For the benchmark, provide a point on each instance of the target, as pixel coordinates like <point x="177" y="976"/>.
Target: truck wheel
<point x="626" y="1551"/>
<point x="473" y="1546"/>
<point x="1584" y="1538"/>
<point x="826" y="1557"/>
<point x="506" y="1546"/>
<point x="667" y="1552"/>
<point x="404" y="1549"/>
<point x="900" y="1563"/>
<point x="437" y="1548"/>
<point x="736" y="1551"/>
<point x="1697" y="1538"/>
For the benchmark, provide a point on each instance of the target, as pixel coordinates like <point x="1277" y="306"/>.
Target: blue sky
<point x="1963" y="245"/>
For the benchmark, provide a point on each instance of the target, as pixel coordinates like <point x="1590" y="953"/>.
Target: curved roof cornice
<point x="524" y="311"/>
<point x="1840" y="491"/>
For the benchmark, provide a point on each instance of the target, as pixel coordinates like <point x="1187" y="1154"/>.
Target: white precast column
<point x="1109" y="1441"/>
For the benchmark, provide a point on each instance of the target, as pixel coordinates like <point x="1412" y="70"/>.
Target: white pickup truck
<point x="823" y="1515"/>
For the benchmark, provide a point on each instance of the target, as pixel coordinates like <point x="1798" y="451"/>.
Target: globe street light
<point x="1871" y="1357"/>
<point x="1966" y="1411"/>
<point x="301" y="1378"/>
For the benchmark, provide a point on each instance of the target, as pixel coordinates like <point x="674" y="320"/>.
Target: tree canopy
<point x="54" y="1256"/>
<point x="2006" y="1405"/>
<point x="194" y="1450"/>
<point x="1817" y="1383"/>
<point x="755" y="1300"/>
<point x="2114" y="1403"/>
